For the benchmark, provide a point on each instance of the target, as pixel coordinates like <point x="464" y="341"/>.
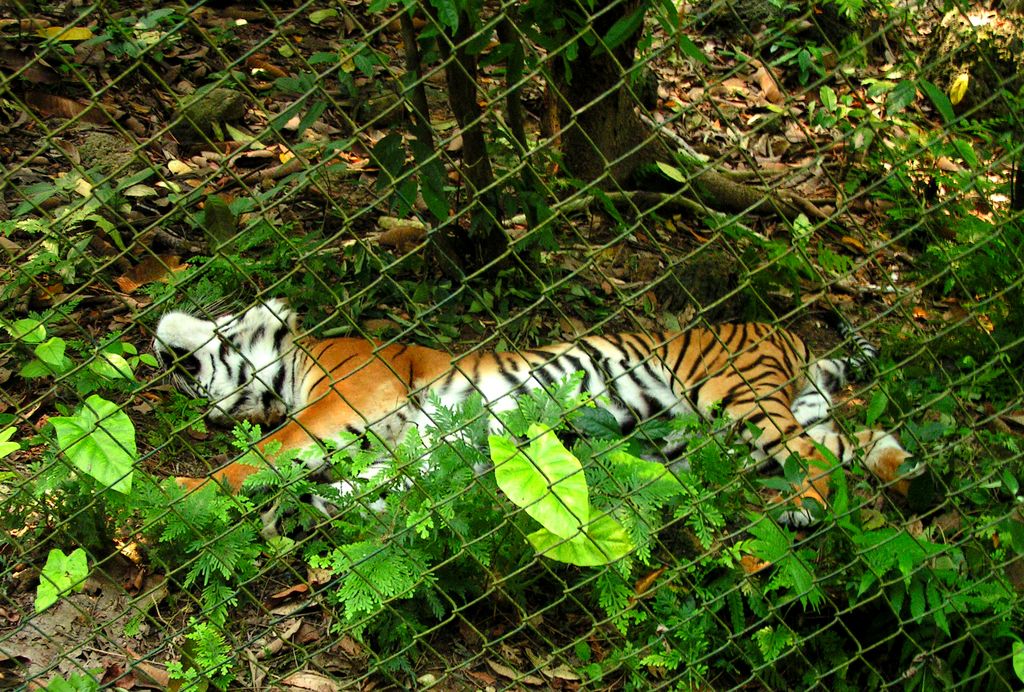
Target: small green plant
<point x="113" y="366"/>
<point x="207" y="656"/>
<point x="76" y="682"/>
<point x="61" y="575"/>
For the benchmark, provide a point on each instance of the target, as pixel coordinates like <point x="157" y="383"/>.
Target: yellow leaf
<point x="959" y="87"/>
<point x="71" y="33"/>
<point x="178" y="167"/>
<point x="83" y="187"/>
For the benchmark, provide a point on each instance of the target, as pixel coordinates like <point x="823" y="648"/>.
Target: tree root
<point x="717" y="190"/>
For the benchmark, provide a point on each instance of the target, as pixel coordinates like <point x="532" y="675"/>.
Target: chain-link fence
<point x="427" y="183"/>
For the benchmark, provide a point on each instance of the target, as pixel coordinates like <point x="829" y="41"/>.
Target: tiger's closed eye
<point x="186" y="360"/>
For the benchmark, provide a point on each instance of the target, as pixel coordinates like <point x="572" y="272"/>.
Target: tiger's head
<point x="242" y="364"/>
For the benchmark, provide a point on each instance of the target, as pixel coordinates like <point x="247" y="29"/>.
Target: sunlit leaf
<point x="545" y="479"/>
<point x="604" y="541"/>
<point x="958" y="88"/>
<point x="61" y="575"/>
<point x="100" y="441"/>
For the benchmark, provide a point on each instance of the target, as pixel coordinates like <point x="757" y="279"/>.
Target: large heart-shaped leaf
<point x="604" y="541"/>
<point x="100" y="441"/>
<point x="545" y="479"/>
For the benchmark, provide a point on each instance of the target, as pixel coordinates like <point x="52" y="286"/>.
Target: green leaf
<point x="545" y="479"/>
<point x="61" y="574"/>
<point x="447" y="12"/>
<point x="771" y="543"/>
<point x="938" y="605"/>
<point x="220" y="222"/>
<point x="112" y="366"/>
<point x="670" y="172"/>
<point x="966" y="152"/>
<point x="35" y="368"/>
<point x="879" y="400"/>
<point x="691" y="49"/>
<point x="28" y="330"/>
<point x="597" y="422"/>
<point x="623" y="29"/>
<point x="917" y="600"/>
<point x="100" y="441"/>
<point x="939" y="100"/>
<point x="51" y="352"/>
<point x="1018" y="659"/>
<point x="901" y="96"/>
<point x="6" y="446"/>
<point x="828" y="98"/>
<point x="604" y="541"/>
<point x="74" y="683"/>
<point x="652" y="476"/>
<point x="320" y="16"/>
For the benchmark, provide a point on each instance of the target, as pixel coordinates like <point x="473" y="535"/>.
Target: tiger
<point x="257" y="366"/>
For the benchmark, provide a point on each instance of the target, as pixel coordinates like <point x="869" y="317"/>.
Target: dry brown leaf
<point x="62" y="107"/>
<point x="350" y="646"/>
<point x="318" y="577"/>
<point x="484" y="677"/>
<point x="403" y="238"/>
<point x="768" y="86"/>
<point x="30" y="24"/>
<point x="646" y="582"/>
<point x="307" y="633"/>
<point x="513" y="674"/>
<point x="36" y="73"/>
<point x="177" y="167"/>
<point x="266" y="647"/>
<point x="290" y="591"/>
<point x="1012" y="421"/>
<point x="378" y="324"/>
<point x="156" y="674"/>
<point x="752" y="565"/>
<point x="561" y="671"/>
<point x="310" y="681"/>
<point x="149" y="270"/>
<point x="853" y="244"/>
<point x="948" y="523"/>
<point x="262" y="62"/>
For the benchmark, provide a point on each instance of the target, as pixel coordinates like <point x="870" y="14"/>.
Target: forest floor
<point x="99" y="97"/>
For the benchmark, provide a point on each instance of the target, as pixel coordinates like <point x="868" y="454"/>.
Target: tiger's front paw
<point x="800" y="511"/>
<point x="797" y="518"/>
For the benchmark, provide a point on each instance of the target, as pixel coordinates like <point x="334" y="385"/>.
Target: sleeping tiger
<point x="255" y="366"/>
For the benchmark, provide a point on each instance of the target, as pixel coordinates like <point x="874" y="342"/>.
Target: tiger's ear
<point x="281" y="311"/>
<point x="179" y="331"/>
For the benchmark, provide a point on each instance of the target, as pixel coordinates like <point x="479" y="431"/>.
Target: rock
<point x="201" y="111"/>
<point x="112" y="154"/>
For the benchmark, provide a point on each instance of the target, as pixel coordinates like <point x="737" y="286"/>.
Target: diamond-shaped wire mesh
<point x="381" y="345"/>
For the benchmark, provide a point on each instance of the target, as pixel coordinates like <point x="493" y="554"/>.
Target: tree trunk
<point x="603" y="138"/>
<point x="486" y="239"/>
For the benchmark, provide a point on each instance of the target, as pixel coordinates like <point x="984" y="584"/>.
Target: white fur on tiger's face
<point x="253" y="366"/>
<point x="240" y="364"/>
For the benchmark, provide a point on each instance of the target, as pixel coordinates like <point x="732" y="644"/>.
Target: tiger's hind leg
<point x="881" y="452"/>
<point x="766" y="423"/>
